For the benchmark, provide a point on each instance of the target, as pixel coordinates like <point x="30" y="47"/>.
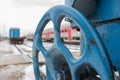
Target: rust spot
<point x="92" y="41"/>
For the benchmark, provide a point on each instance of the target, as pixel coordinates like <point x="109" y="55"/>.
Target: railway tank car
<point x="14" y="36"/>
<point x="99" y="22"/>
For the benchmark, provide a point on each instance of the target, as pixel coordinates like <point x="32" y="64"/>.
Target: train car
<point x="48" y="35"/>
<point x="66" y="32"/>
<point x="14" y="36"/>
<point x="30" y="36"/>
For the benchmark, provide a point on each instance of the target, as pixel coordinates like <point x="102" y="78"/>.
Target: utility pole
<point x="3" y="31"/>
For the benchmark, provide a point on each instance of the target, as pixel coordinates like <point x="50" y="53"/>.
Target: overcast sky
<point x="24" y="14"/>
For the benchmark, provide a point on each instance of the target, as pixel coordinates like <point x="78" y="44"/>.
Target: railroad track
<point x="47" y="45"/>
<point x="67" y="42"/>
<point x="23" y="53"/>
<point x="26" y="51"/>
<point x="28" y="55"/>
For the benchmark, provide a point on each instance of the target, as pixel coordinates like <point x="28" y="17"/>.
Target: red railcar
<point x="66" y="33"/>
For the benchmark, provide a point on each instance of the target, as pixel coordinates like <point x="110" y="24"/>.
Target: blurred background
<point x="23" y="14"/>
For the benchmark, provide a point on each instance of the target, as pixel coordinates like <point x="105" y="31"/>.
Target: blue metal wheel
<point x="60" y="64"/>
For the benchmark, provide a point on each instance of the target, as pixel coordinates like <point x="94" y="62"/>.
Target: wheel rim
<point x="95" y="54"/>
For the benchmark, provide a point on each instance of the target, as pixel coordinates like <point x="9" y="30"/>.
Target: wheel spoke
<point x="36" y="64"/>
<point x="38" y="44"/>
<point x="65" y="51"/>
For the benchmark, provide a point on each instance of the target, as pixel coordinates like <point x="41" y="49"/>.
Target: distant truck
<point x="14" y="36"/>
